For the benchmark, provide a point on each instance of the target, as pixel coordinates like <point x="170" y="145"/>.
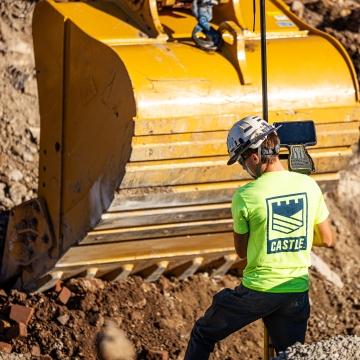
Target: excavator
<point x="134" y="118"/>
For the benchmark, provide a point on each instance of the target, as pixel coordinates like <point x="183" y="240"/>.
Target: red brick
<point x="17" y="330"/>
<point x="35" y="351"/>
<point x="5" y="347"/>
<point x="64" y="295"/>
<point x="58" y="286"/>
<point x="22" y="330"/>
<point x="21" y="314"/>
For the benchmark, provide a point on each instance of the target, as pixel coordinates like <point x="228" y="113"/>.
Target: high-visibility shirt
<point x="279" y="210"/>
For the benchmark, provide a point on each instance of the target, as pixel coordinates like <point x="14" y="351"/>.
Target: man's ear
<point x="255" y="158"/>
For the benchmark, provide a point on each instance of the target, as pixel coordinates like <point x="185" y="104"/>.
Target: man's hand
<point x="323" y="235"/>
<point x="241" y="242"/>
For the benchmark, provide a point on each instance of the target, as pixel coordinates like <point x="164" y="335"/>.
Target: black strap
<point x="254" y="12"/>
<point x="273" y="151"/>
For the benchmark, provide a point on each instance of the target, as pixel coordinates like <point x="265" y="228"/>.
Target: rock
<point x="91" y="285"/>
<point x="16" y="175"/>
<point x="141" y="304"/>
<point x="5" y="347"/>
<point x="114" y="345"/>
<point x="27" y="157"/>
<point x="86" y="285"/>
<point x="35" y="133"/>
<point x="324" y="269"/>
<point x="35" y="351"/>
<point x="17" y="193"/>
<point x="157" y="355"/>
<point x="63" y="319"/>
<point x="18" y="296"/>
<point x="2" y="191"/>
<point x="96" y="320"/>
<point x="17" y="149"/>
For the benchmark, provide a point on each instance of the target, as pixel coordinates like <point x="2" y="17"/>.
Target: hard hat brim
<point x="233" y="159"/>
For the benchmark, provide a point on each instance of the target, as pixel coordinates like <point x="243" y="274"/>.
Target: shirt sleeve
<point x="240" y="214"/>
<point x="322" y="211"/>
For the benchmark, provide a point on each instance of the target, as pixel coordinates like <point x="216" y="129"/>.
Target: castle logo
<point x="287" y="223"/>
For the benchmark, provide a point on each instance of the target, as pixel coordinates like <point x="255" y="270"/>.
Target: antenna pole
<point x="263" y="60"/>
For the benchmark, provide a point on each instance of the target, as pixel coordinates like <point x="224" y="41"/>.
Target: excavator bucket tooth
<point x="121" y="273"/>
<point x="228" y="262"/>
<point x="188" y="269"/>
<point x="155" y="271"/>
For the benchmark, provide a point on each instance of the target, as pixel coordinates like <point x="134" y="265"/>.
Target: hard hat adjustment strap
<point x="272" y="151"/>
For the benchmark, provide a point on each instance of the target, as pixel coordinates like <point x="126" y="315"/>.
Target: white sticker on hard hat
<point x="285" y="23"/>
<point x="281" y="17"/>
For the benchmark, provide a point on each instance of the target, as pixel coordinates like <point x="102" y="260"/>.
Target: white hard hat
<point x="248" y="133"/>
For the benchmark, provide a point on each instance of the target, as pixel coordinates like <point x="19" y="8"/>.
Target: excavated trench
<point x="157" y="317"/>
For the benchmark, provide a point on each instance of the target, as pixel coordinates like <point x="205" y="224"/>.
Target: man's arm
<point x="241" y="242"/>
<point x="323" y="234"/>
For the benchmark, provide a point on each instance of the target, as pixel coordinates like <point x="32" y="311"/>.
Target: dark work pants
<point x="285" y="316"/>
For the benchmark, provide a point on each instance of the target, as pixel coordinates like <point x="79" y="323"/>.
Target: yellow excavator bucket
<point x="134" y="119"/>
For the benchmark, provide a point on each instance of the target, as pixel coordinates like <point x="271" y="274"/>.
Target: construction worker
<point x="275" y="217"/>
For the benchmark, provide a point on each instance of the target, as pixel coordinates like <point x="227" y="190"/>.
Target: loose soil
<point x="160" y="315"/>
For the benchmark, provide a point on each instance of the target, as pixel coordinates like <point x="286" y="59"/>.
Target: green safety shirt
<point x="279" y="211"/>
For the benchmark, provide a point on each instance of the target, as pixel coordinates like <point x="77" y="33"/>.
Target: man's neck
<point x="275" y="166"/>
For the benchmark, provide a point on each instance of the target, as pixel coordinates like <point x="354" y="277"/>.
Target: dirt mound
<point x="155" y="316"/>
<point x="158" y="316"/>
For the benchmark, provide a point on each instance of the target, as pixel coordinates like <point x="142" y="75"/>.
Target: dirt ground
<point x="159" y="316"/>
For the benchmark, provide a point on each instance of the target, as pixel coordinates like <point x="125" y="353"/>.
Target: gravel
<point x="337" y="347"/>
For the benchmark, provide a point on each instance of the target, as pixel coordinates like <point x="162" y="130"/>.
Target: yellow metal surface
<point x="50" y="86"/>
<point x="134" y="117"/>
<point x="107" y="22"/>
<point x="198" y="170"/>
<point x="213" y="122"/>
<point x="148" y="250"/>
<point x="199" y="144"/>
<point x="194" y="89"/>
